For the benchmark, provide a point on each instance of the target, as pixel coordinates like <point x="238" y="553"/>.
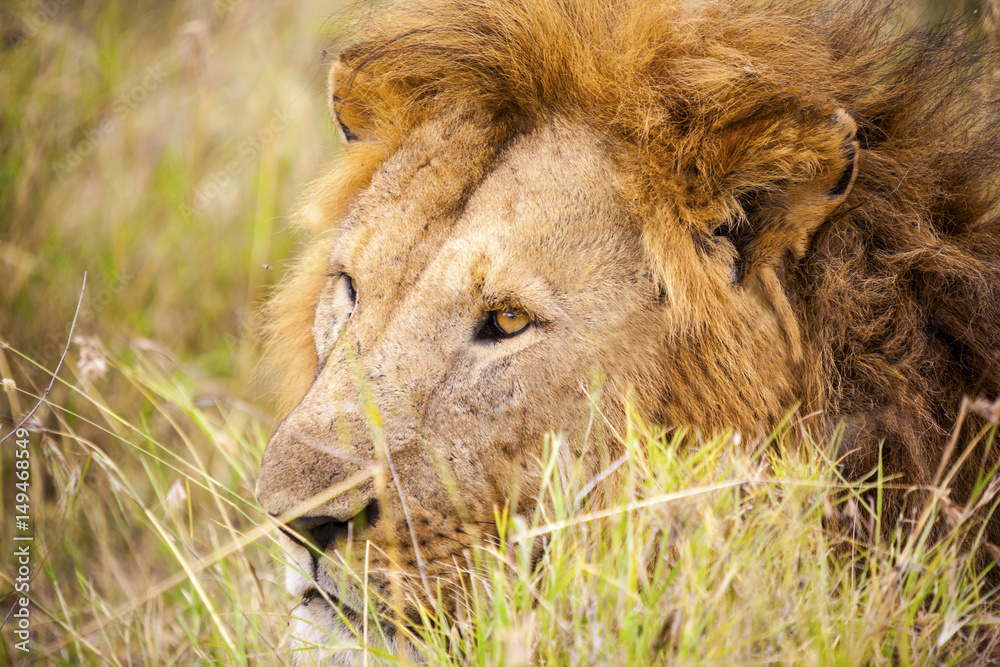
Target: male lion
<point x="723" y="209"/>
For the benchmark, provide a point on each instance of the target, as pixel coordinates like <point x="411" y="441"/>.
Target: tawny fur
<point x="813" y="192"/>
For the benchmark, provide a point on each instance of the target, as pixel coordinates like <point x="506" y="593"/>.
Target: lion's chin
<point x="319" y="634"/>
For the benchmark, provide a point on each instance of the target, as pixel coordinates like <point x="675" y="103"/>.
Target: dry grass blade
<point x="55" y="373"/>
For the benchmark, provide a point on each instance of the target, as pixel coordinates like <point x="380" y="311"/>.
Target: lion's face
<point x="471" y="317"/>
<point x="490" y="285"/>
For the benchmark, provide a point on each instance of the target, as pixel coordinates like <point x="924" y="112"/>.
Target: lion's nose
<point x="320" y="532"/>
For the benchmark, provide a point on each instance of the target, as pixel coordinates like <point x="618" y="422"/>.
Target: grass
<point x="712" y="555"/>
<point x="158" y="147"/>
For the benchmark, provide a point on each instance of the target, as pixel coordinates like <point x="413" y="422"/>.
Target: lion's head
<point x="706" y="211"/>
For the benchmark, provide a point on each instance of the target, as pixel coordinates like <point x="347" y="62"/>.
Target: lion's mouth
<point x="326" y="603"/>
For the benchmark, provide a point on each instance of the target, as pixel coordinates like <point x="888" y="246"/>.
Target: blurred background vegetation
<point x="159" y="146"/>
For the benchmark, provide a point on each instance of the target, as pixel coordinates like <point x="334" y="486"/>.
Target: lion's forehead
<point x="545" y="219"/>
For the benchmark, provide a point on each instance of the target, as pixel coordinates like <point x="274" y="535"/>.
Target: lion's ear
<point x="350" y="115"/>
<point x="781" y="215"/>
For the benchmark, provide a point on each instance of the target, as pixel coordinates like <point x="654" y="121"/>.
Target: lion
<point x="714" y="212"/>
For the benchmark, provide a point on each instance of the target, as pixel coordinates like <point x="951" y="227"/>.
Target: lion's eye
<point x="504" y="324"/>
<point x="511" y="323"/>
<point x="352" y="294"/>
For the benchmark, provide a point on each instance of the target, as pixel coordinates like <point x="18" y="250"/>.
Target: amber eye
<point x="511" y="323"/>
<point x="503" y="324"/>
